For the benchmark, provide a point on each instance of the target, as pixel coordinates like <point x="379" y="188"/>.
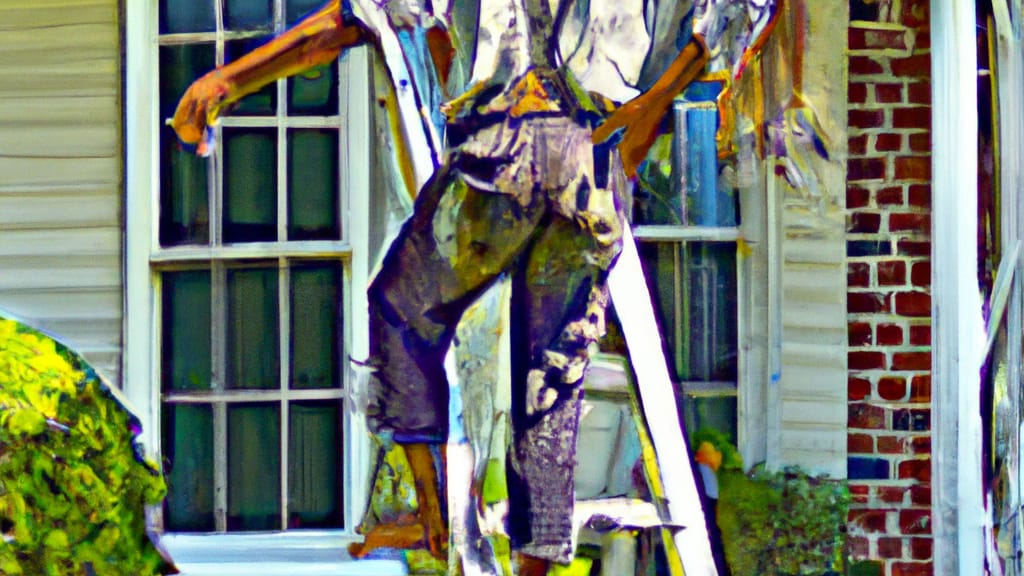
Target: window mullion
<point x="284" y="327"/>
<point x="219" y="363"/>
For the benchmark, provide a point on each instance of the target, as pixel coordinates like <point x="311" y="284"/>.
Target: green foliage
<point x="72" y="490"/>
<point x="782" y="523"/>
<point x="731" y="459"/>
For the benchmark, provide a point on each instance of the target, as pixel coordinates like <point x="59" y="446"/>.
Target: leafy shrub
<point x="782" y="523"/>
<point x="73" y="488"/>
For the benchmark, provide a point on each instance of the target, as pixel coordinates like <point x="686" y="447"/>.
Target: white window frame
<point x="141" y="382"/>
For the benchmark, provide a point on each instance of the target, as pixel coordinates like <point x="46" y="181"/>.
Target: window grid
<point x="218" y="257"/>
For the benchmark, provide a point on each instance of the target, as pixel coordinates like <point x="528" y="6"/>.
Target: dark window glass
<point x="252" y="331"/>
<point x="250" y="185"/>
<point x="179" y="16"/>
<point x="314" y="93"/>
<point x="718" y="413"/>
<point x="188" y="467"/>
<point x="314" y="465"/>
<point x="296" y="10"/>
<point x="186" y="331"/>
<point x="313" y="185"/>
<point x="254" y="467"/>
<point x="248" y="14"/>
<point x="316" y="326"/>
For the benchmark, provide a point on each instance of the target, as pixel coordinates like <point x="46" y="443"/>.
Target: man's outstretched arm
<point x="318" y="39"/>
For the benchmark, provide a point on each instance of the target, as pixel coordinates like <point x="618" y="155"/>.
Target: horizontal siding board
<point x="60" y="172"/>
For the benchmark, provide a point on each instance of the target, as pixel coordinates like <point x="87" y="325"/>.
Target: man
<point x="532" y="184"/>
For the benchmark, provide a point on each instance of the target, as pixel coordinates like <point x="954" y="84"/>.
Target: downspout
<point x="957" y="328"/>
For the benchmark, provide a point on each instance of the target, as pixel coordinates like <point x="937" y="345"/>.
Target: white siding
<point x="60" y="172"/>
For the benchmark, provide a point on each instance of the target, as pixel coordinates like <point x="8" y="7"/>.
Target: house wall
<point x="60" y="172"/>
<point x="888" y="204"/>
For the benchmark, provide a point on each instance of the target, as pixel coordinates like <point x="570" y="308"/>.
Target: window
<point x="687" y="216"/>
<point x="247" y="286"/>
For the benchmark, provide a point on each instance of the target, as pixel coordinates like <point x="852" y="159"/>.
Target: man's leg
<point x="457" y="242"/>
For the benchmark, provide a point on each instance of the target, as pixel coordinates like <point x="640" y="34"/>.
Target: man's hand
<point x="198" y="110"/>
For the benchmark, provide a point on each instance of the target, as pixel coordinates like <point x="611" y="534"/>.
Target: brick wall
<point x="889" y="305"/>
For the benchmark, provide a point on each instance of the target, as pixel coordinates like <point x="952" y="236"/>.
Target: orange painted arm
<point x="642" y="115"/>
<point x="316" y="40"/>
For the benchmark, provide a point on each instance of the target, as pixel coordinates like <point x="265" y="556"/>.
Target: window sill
<point x="272" y="554"/>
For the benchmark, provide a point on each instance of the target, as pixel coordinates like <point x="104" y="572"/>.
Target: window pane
<point x="313" y="185"/>
<point x="186" y="331"/>
<point x="263" y="102"/>
<point x="316" y="326"/>
<point x="184" y="204"/>
<point x="717" y="413"/>
<point x="296" y="10"/>
<point x="248" y="14"/>
<point x="314" y="465"/>
<point x="315" y="92"/>
<point x="254" y="467"/>
<point x="694" y="286"/>
<point x="250" y="185"/>
<point x="187" y="16"/>
<point x="188" y="467"/>
<point x="252" y="347"/>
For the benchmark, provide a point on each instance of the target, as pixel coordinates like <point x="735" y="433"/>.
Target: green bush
<point x="73" y="488"/>
<point x="782" y="523"/>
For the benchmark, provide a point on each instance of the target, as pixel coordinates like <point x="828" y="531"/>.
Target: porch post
<point x="957" y="327"/>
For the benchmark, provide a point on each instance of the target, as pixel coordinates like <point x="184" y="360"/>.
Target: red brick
<point x="866" y="118"/>
<point x="913" y="248"/>
<point x="892" y="388"/>
<point x="891" y="445"/>
<point x="890" y="196"/>
<point x="859" y="334"/>
<point x="922" y="40"/>
<point x="915" y="117"/>
<point x="919" y="93"/>
<point x="890" y="547"/>
<point x="860" y="444"/>
<point x="921" y="142"/>
<point x="914" y="304"/>
<point x="913" y="168"/>
<point x="865" y="169"/>
<point x="866" y="303"/>
<point x="916" y="66"/>
<point x="888" y="143"/>
<point x="858" y="274"/>
<point x="921" y="548"/>
<point x="921" y="495"/>
<point x="915" y="14"/>
<point x="888" y="93"/>
<point x="921" y="388"/>
<point x="866" y="360"/>
<point x="859" y="493"/>
<point x="921" y="273"/>
<point x="872" y="39"/>
<point x="912" y="569"/>
<point x="864" y="222"/>
<point x="910" y="222"/>
<point x="857" y="388"/>
<point x="920" y="196"/>
<point x="915" y="521"/>
<point x="858" y="546"/>
<point x="857" y="92"/>
<point x="864" y="65"/>
<point x="871" y="521"/>
<point x="858" y="145"/>
<point x="921" y="445"/>
<point x="892" y="272"/>
<point x="912" y="361"/>
<point x="889" y="335"/>
<point x="865" y="416"/>
<point x="916" y="469"/>
<point x="920" y="335"/>
<point x="857" y="197"/>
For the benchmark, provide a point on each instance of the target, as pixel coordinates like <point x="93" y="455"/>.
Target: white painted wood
<point x="635" y="310"/>
<point x="957" y="329"/>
